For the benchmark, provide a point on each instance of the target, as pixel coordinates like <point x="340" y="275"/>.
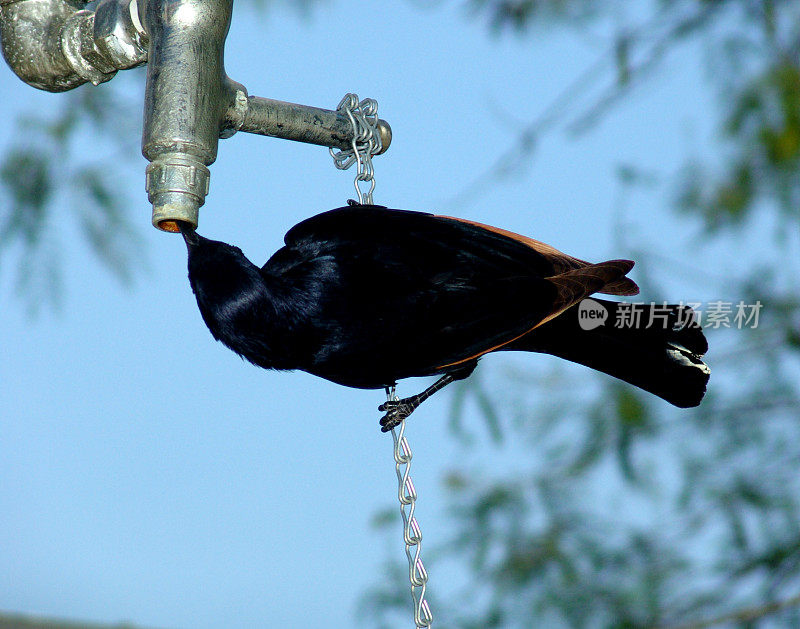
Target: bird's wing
<point x="428" y="291"/>
<point x="562" y="263"/>
<point x="364" y="219"/>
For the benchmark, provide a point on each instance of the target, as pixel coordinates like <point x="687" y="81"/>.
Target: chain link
<point x="366" y="142"/>
<point x="412" y="535"/>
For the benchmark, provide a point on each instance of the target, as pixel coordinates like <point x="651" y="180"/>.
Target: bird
<point x="365" y="295"/>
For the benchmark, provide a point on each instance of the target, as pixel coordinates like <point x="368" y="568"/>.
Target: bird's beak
<point x="190" y="236"/>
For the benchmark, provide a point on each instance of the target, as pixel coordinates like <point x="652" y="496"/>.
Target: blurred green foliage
<point x="521" y="15"/>
<point x="43" y="178"/>
<point x="762" y="131"/>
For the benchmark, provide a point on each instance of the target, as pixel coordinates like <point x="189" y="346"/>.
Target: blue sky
<point x="147" y="474"/>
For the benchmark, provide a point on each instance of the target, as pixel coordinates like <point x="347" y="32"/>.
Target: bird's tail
<point x="657" y="348"/>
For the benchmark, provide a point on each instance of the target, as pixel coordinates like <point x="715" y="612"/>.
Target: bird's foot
<point x="396" y="412"/>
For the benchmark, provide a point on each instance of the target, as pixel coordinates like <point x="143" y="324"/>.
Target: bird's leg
<point x="398" y="410"/>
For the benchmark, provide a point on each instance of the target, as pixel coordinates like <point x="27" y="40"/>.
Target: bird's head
<point x="218" y="272"/>
<point x="231" y="293"/>
<point x="211" y="253"/>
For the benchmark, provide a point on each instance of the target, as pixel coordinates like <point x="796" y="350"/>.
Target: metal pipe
<point x="56" y="45"/>
<point x="30" y="31"/>
<point x="302" y="123"/>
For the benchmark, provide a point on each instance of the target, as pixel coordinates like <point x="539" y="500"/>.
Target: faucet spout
<point x="187" y="99"/>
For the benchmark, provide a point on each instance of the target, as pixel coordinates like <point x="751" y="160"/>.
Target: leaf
<point x="622" y="58"/>
<point x="385" y="518"/>
<point x="26" y="174"/>
<point x="632" y="421"/>
<point x="490" y="414"/>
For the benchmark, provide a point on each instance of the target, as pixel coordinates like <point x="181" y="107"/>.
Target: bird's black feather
<point x="365" y="295"/>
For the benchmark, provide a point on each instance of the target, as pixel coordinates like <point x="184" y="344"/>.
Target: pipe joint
<point x="118" y="35"/>
<point x="56" y="45"/>
<point x="177" y="185"/>
<point x="235" y="111"/>
<point x="77" y="44"/>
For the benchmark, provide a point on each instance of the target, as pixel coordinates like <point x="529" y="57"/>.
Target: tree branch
<point x="748" y="614"/>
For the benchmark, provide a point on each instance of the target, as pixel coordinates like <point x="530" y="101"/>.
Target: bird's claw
<point x="396" y="412"/>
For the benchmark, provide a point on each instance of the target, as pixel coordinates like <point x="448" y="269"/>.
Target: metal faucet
<point x="190" y="102"/>
<point x="186" y="101"/>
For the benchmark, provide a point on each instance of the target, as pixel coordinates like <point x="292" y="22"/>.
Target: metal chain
<point x="412" y="534"/>
<point x="366" y="142"/>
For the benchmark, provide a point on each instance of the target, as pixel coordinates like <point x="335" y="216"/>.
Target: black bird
<point x="365" y="295"/>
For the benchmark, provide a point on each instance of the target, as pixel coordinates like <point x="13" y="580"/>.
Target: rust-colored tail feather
<point x="577" y="284"/>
